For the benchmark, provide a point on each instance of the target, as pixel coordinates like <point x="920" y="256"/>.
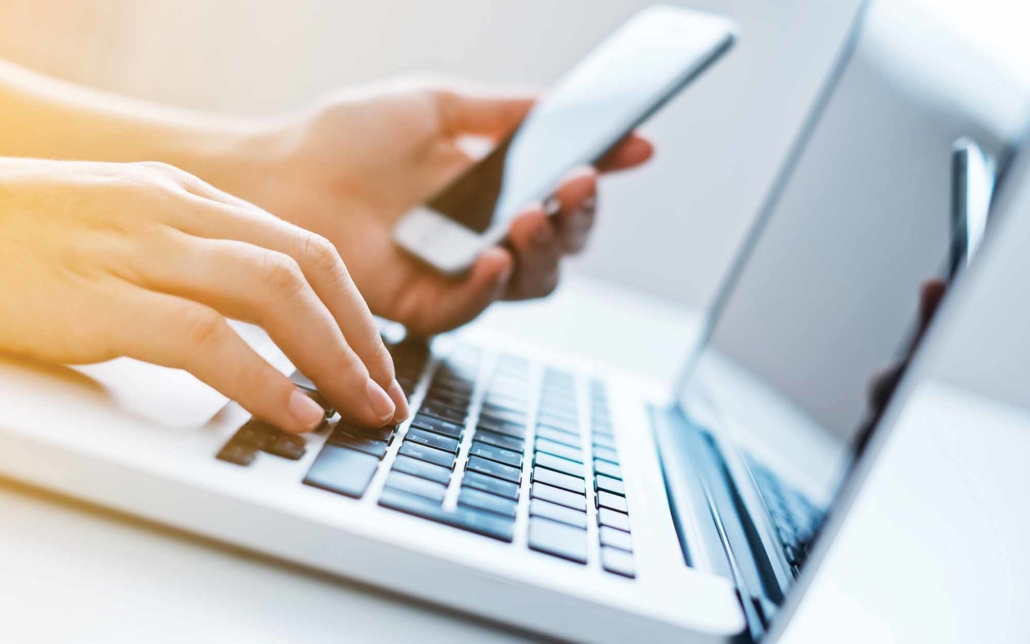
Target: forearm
<point x="43" y="117"/>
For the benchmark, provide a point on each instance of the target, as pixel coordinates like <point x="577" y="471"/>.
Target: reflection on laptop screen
<point x="805" y="344"/>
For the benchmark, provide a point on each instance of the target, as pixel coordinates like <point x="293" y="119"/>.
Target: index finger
<point x="632" y="151"/>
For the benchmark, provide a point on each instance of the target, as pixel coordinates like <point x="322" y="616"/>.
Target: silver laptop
<point x="556" y="497"/>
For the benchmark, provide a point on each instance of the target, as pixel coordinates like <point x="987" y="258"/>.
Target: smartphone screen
<point x="589" y="110"/>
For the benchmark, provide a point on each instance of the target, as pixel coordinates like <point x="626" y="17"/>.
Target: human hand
<point x="350" y="166"/>
<point x="101" y="260"/>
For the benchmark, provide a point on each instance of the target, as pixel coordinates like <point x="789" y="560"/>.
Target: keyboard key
<point x="611" y="501"/>
<point x="494" y="453"/>
<point x="455" y="416"/>
<point x="557" y="479"/>
<point x="438" y="441"/>
<point x="541" y="508"/>
<point x="557" y="449"/>
<point x="516" y="412"/>
<point x="428" y="454"/>
<point x="490" y="484"/>
<point x="342" y="470"/>
<point x="494" y="414"/>
<point x="384" y="434"/>
<point x="308" y="388"/>
<point x="543" y="459"/>
<point x="414" y="485"/>
<point x="561" y="497"/>
<point x="606" y="454"/>
<point x="238" y="453"/>
<point x="302" y="381"/>
<point x="558" y="436"/>
<point x="255" y="433"/>
<point x="618" y="561"/>
<point x="422" y="469"/>
<point x="564" y="409"/>
<point x="492" y="468"/>
<point x="609" y="484"/>
<point x="501" y="401"/>
<point x="359" y="443"/>
<point x="516" y="430"/>
<point x="509" y="443"/>
<point x="558" y="539"/>
<point x="613" y="519"/>
<point x="571" y="426"/>
<point x="616" y="539"/>
<point x="603" y="440"/>
<point x="289" y="446"/>
<point x="484" y="523"/>
<point x="448" y="399"/>
<point x="608" y="469"/>
<point x="483" y="501"/>
<point x="438" y="426"/>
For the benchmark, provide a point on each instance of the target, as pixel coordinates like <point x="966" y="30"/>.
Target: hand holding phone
<point x="622" y="82"/>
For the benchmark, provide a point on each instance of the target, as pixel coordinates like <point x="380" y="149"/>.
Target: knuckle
<point x="283" y="275"/>
<point x="201" y="327"/>
<point x="320" y="253"/>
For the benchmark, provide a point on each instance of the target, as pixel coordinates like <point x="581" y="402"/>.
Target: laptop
<point x="554" y="496"/>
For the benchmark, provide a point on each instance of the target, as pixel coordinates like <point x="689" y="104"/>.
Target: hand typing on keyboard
<point x="100" y="260"/>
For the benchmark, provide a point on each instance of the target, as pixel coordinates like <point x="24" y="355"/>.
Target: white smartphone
<point x="616" y="87"/>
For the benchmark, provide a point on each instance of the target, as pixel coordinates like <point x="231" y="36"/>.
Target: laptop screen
<point x="845" y="266"/>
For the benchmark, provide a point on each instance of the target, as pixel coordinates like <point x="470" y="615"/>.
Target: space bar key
<point x="463" y="518"/>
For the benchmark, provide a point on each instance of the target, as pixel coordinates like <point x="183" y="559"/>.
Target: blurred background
<point x="669" y="230"/>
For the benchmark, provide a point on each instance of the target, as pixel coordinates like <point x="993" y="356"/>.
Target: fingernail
<point x="552" y="207"/>
<point x="381" y="404"/>
<point x="399" y="401"/>
<point x="305" y="411"/>
<point x="589" y="204"/>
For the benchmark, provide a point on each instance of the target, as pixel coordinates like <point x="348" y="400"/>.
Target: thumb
<point x="455" y="302"/>
<point x="490" y="115"/>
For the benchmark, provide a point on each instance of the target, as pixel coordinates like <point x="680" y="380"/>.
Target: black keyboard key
<point x="606" y="454"/>
<point x="558" y="539"/>
<point x="493" y="414"/>
<point x="437" y="441"/>
<point x="603" y="440"/>
<point x="616" y="539"/>
<point x="415" y="485"/>
<point x="490" y="503"/>
<point x="509" y="443"/>
<point x="557" y="479"/>
<point x="255" y="433"/>
<point x="517" y="413"/>
<point x="289" y="446"/>
<point x="548" y="510"/>
<point x="484" y="523"/>
<point x="428" y="454"/>
<point x="360" y="443"/>
<point x="558" y="436"/>
<point x="342" y="470"/>
<point x="238" y="453"/>
<point x="516" y="430"/>
<point x="384" y="433"/>
<point x="613" y="519"/>
<point x="501" y="401"/>
<point x="437" y="425"/>
<point x="609" y="484"/>
<point x="608" y="469"/>
<point x="494" y="453"/>
<point x="619" y="562"/>
<point x="565" y="466"/>
<point x="448" y="399"/>
<point x="453" y="385"/>
<point x="422" y="469"/>
<point x="557" y="449"/>
<point x="492" y="468"/>
<point x="456" y="416"/>
<point x="561" y="497"/>
<point x="612" y="501"/>
<point x="489" y="484"/>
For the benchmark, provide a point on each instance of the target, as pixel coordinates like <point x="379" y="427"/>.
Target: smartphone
<point x="972" y="189"/>
<point x="624" y="80"/>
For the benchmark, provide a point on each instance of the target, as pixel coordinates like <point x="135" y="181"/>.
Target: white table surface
<point x="75" y="573"/>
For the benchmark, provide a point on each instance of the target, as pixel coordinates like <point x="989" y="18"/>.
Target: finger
<point x="576" y="197"/>
<point x="631" y="152"/>
<point x="537" y="250"/>
<point x="174" y="332"/>
<point x="480" y="114"/>
<point x="267" y="288"/>
<point x="325" y="272"/>
<point x="440" y="303"/>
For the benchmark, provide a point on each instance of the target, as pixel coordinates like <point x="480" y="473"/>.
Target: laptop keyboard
<point x="490" y="442"/>
<point x="796" y="519"/>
